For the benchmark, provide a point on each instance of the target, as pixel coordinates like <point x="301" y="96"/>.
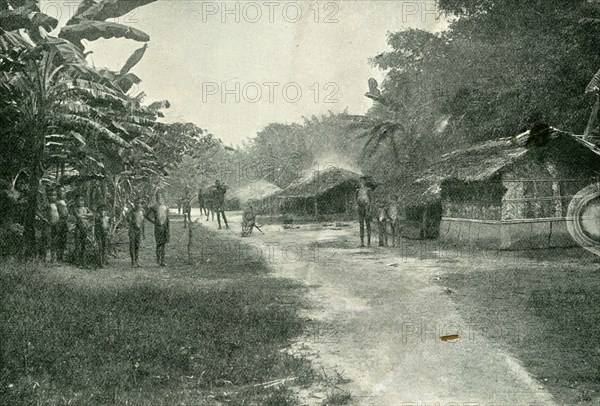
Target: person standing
<point x="84" y="217"/>
<point x="393" y="214"/>
<point x="63" y="231"/>
<point x="201" y="203"/>
<point x="382" y="221"/>
<point x="135" y="222"/>
<point x="102" y="232"/>
<point x="364" y="202"/>
<point x="209" y="201"/>
<point x="219" y="197"/>
<point x="159" y="216"/>
<point x="186" y="204"/>
<point x="52" y="218"/>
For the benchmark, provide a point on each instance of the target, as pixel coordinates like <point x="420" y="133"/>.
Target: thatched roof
<point x="482" y="161"/>
<point x="315" y="183"/>
<point x="258" y="190"/>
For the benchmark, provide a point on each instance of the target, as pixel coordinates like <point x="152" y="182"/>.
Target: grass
<point x="543" y="308"/>
<point x="203" y="333"/>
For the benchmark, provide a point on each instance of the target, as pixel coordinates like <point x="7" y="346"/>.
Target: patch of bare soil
<point x="386" y="330"/>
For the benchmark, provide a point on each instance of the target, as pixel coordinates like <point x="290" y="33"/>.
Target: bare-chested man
<point x="219" y="202"/>
<point x="364" y="202"/>
<point x="52" y="217"/>
<point x="159" y="216"/>
<point x="135" y="222"/>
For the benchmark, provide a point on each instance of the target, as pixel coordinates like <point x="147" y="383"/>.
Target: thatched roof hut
<point x="327" y="191"/>
<point x="505" y="194"/>
<point x="259" y="191"/>
<point x="256" y="190"/>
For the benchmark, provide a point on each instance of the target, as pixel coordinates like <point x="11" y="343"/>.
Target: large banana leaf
<point x="100" y="10"/>
<point x="28" y="17"/>
<point x="60" y="138"/>
<point x="125" y="82"/>
<point x="67" y="53"/>
<point x="93" y="30"/>
<point x="85" y="125"/>
<point x="134" y="59"/>
<point x="91" y="90"/>
<point x="79" y="108"/>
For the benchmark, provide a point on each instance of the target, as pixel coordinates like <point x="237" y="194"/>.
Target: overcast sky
<point x="233" y="67"/>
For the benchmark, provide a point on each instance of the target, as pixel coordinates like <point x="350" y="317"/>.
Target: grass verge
<point x="186" y="334"/>
<point x="543" y="308"/>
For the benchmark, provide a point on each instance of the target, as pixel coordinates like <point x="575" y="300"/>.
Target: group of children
<point x="92" y="230"/>
<point x="89" y="228"/>
<point x="158" y="215"/>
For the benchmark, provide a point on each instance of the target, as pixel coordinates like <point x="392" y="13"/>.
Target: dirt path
<point x="381" y="315"/>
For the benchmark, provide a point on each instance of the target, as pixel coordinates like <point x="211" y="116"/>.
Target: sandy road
<point x="382" y="315"/>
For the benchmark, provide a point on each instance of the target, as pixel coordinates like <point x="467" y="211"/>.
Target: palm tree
<point x="389" y="122"/>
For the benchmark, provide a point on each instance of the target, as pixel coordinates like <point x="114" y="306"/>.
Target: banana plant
<point x="36" y="90"/>
<point x="89" y="22"/>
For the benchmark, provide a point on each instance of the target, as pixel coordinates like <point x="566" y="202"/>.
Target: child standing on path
<point x="135" y="223"/>
<point x="393" y="215"/>
<point x="382" y="221"/>
<point x="159" y="216"/>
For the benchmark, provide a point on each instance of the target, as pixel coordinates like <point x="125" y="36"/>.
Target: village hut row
<point x="500" y="194"/>
<point x="497" y="194"/>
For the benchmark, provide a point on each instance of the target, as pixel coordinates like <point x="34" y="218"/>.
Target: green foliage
<point x="499" y="68"/>
<point x="97" y="340"/>
<point x="59" y="115"/>
<point x="281" y="152"/>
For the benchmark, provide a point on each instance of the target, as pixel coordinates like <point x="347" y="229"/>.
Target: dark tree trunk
<point x="35" y="178"/>
<point x="32" y="208"/>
